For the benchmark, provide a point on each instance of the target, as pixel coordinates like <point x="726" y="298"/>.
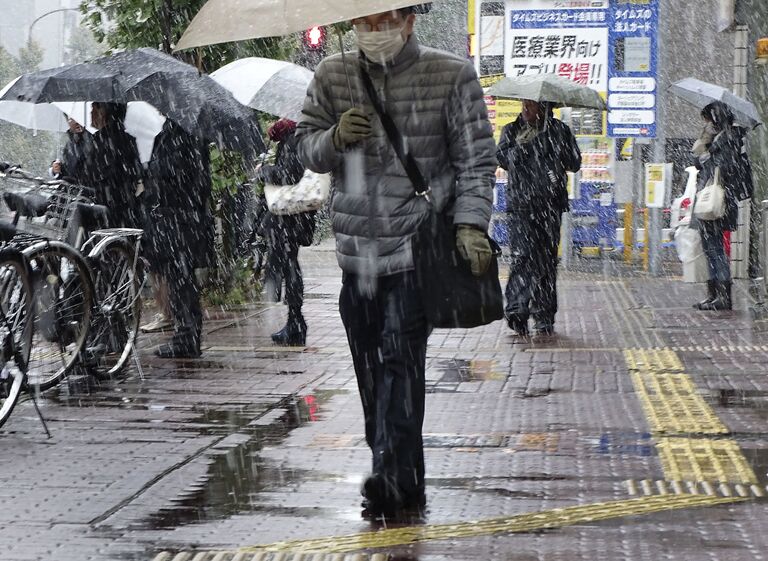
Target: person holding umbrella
<point x="536" y="150"/>
<point x="436" y="103"/>
<point x="721" y="147"/>
<point x="113" y="167"/>
<point x="76" y="153"/>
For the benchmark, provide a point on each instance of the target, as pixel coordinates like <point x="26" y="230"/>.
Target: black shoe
<point x="711" y="295"/>
<point x="722" y="299"/>
<point x="380" y="499"/>
<point x="294" y="334"/>
<point x="518" y="325"/>
<point x="544" y="327"/>
<point x="172" y="350"/>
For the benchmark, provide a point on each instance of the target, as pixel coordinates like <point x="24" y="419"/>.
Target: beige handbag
<point x="710" y="201"/>
<point x="308" y="195"/>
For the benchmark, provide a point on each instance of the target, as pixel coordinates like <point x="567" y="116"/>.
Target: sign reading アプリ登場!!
<point x="608" y="45"/>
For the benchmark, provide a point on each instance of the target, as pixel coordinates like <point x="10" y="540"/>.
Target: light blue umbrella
<point x="701" y="94"/>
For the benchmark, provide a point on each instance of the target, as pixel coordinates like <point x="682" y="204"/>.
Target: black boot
<point x="294" y="334"/>
<point x="518" y="324"/>
<point x="710" y="295"/>
<point x="722" y="299"/>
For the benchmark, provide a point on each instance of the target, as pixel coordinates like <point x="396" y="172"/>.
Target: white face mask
<point x="381" y="46"/>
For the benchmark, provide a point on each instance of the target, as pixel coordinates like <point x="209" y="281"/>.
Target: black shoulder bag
<point x="453" y="296"/>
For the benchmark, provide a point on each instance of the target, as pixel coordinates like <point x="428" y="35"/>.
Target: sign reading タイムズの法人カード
<point x="607" y="45"/>
<point x="632" y="86"/>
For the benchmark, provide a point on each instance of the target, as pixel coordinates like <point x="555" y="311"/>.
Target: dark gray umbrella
<point x="193" y="100"/>
<point x="77" y="82"/>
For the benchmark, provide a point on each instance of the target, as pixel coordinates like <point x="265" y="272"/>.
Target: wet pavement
<point x="639" y="432"/>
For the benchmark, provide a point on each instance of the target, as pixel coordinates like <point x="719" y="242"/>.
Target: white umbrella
<point x="701" y="94"/>
<point x="548" y="87"/>
<point x="142" y="120"/>
<point x="221" y="21"/>
<point x="272" y="86"/>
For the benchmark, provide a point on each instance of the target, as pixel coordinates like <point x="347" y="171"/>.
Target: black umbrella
<point x="193" y="100"/>
<point x="76" y="82"/>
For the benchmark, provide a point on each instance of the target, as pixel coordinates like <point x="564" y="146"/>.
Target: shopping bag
<point x="308" y="195"/>
<point x="710" y="201"/>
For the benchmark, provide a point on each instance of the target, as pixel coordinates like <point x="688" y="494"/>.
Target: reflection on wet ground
<point x="237" y="475"/>
<point x="457" y="370"/>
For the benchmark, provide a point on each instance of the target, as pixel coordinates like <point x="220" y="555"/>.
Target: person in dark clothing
<point x="178" y="230"/>
<point x="113" y="167"/>
<point x="720" y="147"/>
<point x="285" y="234"/>
<point x="536" y="150"/>
<point x="76" y="153"/>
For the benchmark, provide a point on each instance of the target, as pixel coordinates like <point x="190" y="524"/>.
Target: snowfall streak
<point x="673" y="408"/>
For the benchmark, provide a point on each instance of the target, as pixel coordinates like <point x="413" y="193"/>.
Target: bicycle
<point x="87" y="284"/>
<point x="15" y="329"/>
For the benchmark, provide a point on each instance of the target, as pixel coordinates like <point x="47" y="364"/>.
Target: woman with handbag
<point x="722" y="182"/>
<point x="285" y="234"/>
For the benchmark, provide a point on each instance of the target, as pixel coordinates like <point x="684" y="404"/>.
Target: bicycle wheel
<point x="115" y="324"/>
<point x="15" y="328"/>
<point x="62" y="310"/>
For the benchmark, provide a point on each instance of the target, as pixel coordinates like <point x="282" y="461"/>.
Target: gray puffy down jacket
<point x="437" y="103"/>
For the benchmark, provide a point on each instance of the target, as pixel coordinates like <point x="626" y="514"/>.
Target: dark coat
<point x="530" y="186"/>
<point x="76" y="154"/>
<point x="178" y="199"/>
<point x="113" y="169"/>
<point x="726" y="153"/>
<point x="297" y="229"/>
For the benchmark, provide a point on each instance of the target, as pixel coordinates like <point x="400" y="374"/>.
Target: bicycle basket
<point x="62" y="204"/>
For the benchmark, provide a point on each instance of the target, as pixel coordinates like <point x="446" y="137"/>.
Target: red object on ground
<point x="727" y="242"/>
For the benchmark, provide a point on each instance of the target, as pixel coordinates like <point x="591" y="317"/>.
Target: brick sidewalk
<point x="252" y="445"/>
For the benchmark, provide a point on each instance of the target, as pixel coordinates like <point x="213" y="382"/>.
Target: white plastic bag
<point x="691" y="253"/>
<point x="688" y="244"/>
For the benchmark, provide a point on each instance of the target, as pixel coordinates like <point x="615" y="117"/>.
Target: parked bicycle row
<point x="71" y="290"/>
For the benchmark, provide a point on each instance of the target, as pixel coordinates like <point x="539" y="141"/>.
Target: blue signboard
<point x="612" y="48"/>
<point x="633" y="68"/>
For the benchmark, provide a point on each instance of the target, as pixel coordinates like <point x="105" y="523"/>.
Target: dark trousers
<point x="283" y="264"/>
<point x="534" y="237"/>
<point x="387" y="333"/>
<point x="714" y="249"/>
<point x="184" y="300"/>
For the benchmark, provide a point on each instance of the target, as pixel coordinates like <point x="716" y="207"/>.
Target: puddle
<point x="237" y="476"/>
<point x="457" y="371"/>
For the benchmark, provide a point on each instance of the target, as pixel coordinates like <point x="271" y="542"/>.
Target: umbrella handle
<point x="344" y="64"/>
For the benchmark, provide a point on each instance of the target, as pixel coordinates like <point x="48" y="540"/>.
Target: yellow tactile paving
<point x="690" y="459"/>
<point x="672" y="406"/>
<point x="556" y="518"/>
<point x="653" y="360"/>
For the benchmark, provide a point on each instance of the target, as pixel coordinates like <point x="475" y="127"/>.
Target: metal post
<point x="654" y="226"/>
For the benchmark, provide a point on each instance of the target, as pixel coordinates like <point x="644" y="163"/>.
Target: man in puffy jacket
<point x="537" y="150"/>
<point x="436" y="102"/>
